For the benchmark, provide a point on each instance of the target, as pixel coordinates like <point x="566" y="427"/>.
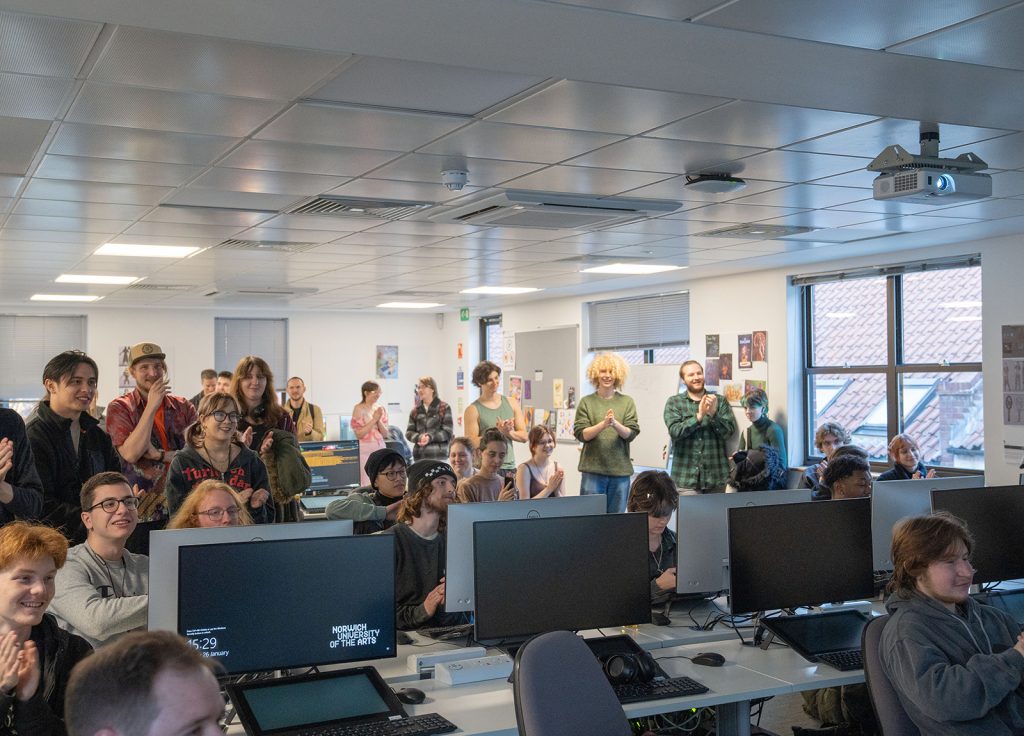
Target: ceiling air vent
<point x="387" y="209"/>
<point x="269" y="246"/>
<point x="516" y="208"/>
<point x="158" y="287"/>
<point x="755" y="231"/>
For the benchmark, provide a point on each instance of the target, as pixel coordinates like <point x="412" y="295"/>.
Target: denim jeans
<point x="614" y="487"/>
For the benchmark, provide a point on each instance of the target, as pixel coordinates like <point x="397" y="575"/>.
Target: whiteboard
<point x="650" y="386"/>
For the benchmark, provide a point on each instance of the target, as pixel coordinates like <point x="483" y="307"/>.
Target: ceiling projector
<point x="932" y="186"/>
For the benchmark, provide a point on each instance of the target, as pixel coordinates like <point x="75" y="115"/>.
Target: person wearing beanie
<point x="420" y="547"/>
<point x="760" y="469"/>
<point x="374" y="508"/>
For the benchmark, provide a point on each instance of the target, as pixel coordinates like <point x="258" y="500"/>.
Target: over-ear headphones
<point x="623" y="668"/>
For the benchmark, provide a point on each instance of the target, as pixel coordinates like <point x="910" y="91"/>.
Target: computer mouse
<point x="660" y="619"/>
<point x="411" y="696"/>
<point x="402" y="638"/>
<point x="709" y="659"/>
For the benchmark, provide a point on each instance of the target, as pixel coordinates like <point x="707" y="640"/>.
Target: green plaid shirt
<point x="699" y="458"/>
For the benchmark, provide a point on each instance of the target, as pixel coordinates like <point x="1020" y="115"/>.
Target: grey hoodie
<point x="955" y="673"/>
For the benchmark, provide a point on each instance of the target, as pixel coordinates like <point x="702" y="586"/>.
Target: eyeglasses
<point x="395" y="474"/>
<point x="110" y="504"/>
<point x="217" y="513"/>
<point x="220" y="416"/>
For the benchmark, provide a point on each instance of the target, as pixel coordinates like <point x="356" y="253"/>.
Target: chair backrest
<point x="889" y="712"/>
<point x="559" y="687"/>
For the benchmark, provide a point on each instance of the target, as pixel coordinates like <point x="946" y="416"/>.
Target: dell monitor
<point x="334" y="465"/>
<point x="893" y="500"/>
<point x="258" y="606"/>
<point x="569" y="573"/>
<point x="458" y="585"/>
<point x="993" y="516"/>
<point x="702" y="535"/>
<point x="801" y="554"/>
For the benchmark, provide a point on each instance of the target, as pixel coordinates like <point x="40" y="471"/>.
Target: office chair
<point x="892" y="718"/>
<point x="559" y="688"/>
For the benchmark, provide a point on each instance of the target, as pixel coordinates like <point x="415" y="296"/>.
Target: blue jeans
<point x="614" y="487"/>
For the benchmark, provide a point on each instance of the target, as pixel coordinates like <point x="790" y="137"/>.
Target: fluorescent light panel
<point x="632" y="269"/>
<point x="960" y="305"/>
<point x="409" y="305"/>
<point x="82" y="278"/>
<point x="133" y="250"/>
<point x="64" y="297"/>
<point x="506" y="290"/>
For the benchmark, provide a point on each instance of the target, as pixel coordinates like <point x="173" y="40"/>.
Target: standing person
<point x="762" y="430"/>
<point x="148" y="425"/>
<point x="36" y="655"/>
<point x="370" y="423"/>
<point x="224" y="382"/>
<point x="956" y="665"/>
<point x="103" y="589"/>
<point x="210" y="504"/>
<point x="828" y="438"/>
<point x="460" y="457"/>
<point x="540" y="476"/>
<point x="209" y="379"/>
<point x="905" y="454"/>
<point x="430" y="423"/>
<point x="213" y="452"/>
<point x="488" y="483"/>
<point x="497" y="411"/>
<point x="699" y="424"/>
<point x="606" y="422"/>
<point x="654" y="493"/>
<point x="21" y="490"/>
<point x="309" y="420"/>
<point x="68" y="444"/>
<point x="373" y="509"/>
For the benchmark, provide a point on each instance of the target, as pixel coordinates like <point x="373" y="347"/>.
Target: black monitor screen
<point x="334" y="464"/>
<point x="288" y="603"/>
<point x="993" y="515"/>
<point x="573" y="572"/>
<point x="800" y="554"/>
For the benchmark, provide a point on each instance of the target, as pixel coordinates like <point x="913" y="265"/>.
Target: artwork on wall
<point x="1013" y="375"/>
<point x="725" y="367"/>
<point x="528" y="417"/>
<point x="566" y="420"/>
<point x="745" y="361"/>
<point x="750" y="385"/>
<point x="711" y="372"/>
<point x="733" y="392"/>
<point x="515" y="388"/>
<point x="508" y="353"/>
<point x="125" y="381"/>
<point x="760" y="345"/>
<point x="557" y="392"/>
<point x="711" y="346"/>
<point x="387" y="361"/>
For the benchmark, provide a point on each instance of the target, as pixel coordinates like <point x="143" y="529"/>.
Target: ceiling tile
<point x="676" y="188"/>
<point x="402" y="190"/>
<point x="518" y="143"/>
<point x="795" y="166"/>
<point x="5" y="204"/>
<point x="361" y="127"/>
<point x="1005" y="152"/>
<point x="389" y="239"/>
<point x="659" y="154"/>
<point x="103" y="141"/>
<point x="408" y="227"/>
<point x="668" y="9"/>
<point x="88" y="210"/>
<point x="734" y="213"/>
<point x="114" y="171"/>
<point x="183" y="230"/>
<point x="993" y="40"/>
<point x="232" y="200"/>
<point x="822" y="219"/>
<point x="279" y="235"/>
<point x="21" y="139"/>
<point x="322" y="222"/>
<point x="1008" y="184"/>
<point x="206" y="216"/>
<point x="9" y="185"/>
<point x="330" y="160"/>
<point x="54" y="236"/>
<point x="35" y="222"/>
<point x="265" y="182"/>
<point x="180" y="112"/>
<point x="907" y="223"/>
<point x="78" y="191"/>
<point x="33" y="97"/>
<point x="886" y="207"/>
<point x="871" y="139"/>
<point x="35" y="44"/>
<point x="425" y="168"/>
<point x="584" y="180"/>
<point x="986" y="209"/>
<point x="805" y="196"/>
<point x="175" y="61"/>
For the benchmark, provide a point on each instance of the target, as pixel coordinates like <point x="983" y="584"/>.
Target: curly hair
<point x="483" y="371"/>
<point x="187" y="515"/>
<point x="611" y="362"/>
<point x="833" y="428"/>
<point x="412" y="507"/>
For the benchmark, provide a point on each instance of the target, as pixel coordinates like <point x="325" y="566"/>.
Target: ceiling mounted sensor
<point x="454" y="179"/>
<point x="714" y="183"/>
<point x="387" y="209"/>
<point x="553" y="211"/>
<point x="926" y="178"/>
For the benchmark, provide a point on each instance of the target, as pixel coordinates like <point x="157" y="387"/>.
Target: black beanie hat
<point x="428" y="470"/>
<point x="379" y="460"/>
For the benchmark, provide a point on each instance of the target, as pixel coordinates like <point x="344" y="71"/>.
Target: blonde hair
<point x="612" y="362"/>
<point x="20" y="540"/>
<point x="187" y="515"/>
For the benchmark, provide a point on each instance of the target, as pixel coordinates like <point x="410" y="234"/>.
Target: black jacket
<point x="23" y="476"/>
<point x="61" y="472"/>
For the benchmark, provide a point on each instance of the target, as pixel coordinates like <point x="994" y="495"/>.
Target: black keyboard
<point x="444" y="633"/>
<point x="675" y="687"/>
<point x="424" y="725"/>
<point x="851" y="659"/>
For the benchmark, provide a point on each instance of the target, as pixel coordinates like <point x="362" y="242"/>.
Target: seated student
<point x="420" y="547"/>
<point x="488" y="484"/>
<point x="655" y="494"/>
<point x="212" y="451"/>
<point x="906" y="460"/>
<point x="957" y="665"/>
<point x="760" y="469"/>
<point x="21" y="491"/>
<point x="210" y="504"/>
<point x="762" y="430"/>
<point x="460" y="457"/>
<point x="375" y="508"/>
<point x="823" y="492"/>
<point x="147" y="684"/>
<point x="103" y="589"/>
<point x="847" y="476"/>
<point x="540" y="476"/>
<point x="68" y="444"/>
<point x="36" y="655"/>
<point x="828" y="437"/>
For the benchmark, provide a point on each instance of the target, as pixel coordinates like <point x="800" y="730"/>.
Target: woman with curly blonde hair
<point x="606" y="423"/>
<point x="210" y="504"/>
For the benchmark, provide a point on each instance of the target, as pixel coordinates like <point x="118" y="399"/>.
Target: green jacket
<point x="699" y="457"/>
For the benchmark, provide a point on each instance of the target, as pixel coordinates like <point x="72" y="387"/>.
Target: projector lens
<point x="945" y="184"/>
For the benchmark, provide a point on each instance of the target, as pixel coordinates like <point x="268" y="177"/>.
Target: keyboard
<point x="675" y="687"/>
<point x="423" y="725"/>
<point x="445" y="633"/>
<point x="850" y="659"/>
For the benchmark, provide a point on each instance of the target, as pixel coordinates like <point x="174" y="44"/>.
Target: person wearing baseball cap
<point x="374" y="508"/>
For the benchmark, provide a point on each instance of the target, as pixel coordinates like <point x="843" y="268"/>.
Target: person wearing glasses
<point x="374" y="508"/>
<point x="210" y="504"/>
<point x="103" y="589"/>
<point x="213" y="451"/>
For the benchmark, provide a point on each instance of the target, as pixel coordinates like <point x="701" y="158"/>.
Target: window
<point x="37" y="339"/>
<point x="491" y="338"/>
<point x="650" y="329"/>
<point x="265" y="338"/>
<point x="898" y="350"/>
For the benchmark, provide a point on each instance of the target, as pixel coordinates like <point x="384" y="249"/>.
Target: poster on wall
<point x="566" y="420"/>
<point x="508" y="352"/>
<point x="387" y="361"/>
<point x="725" y="367"/>
<point x="125" y="382"/>
<point x="711" y="372"/>
<point x="557" y="392"/>
<point x="711" y="346"/>
<point x="749" y="385"/>
<point x="528" y="417"/>
<point x="760" y="346"/>
<point x="527" y="389"/>
<point x="1013" y="375"/>
<point x="745" y="362"/>
<point x="515" y="388"/>
<point x="732" y="391"/>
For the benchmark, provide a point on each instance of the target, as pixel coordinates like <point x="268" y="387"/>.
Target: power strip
<point x="496" y="667"/>
<point x="419" y="662"/>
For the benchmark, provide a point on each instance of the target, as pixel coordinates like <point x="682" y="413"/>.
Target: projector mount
<point x="896" y="158"/>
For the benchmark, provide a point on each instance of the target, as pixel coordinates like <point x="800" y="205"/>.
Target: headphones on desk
<point x="627" y="667"/>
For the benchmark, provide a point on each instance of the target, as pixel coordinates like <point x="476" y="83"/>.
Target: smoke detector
<point x="714" y="183"/>
<point x="454" y="179"/>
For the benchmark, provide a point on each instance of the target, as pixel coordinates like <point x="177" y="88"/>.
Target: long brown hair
<point x="217" y="401"/>
<point x="268" y="402"/>
<point x="413" y="505"/>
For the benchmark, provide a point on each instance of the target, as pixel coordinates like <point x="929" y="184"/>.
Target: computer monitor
<point x="993" y="515"/>
<point x="259" y="606"/>
<point x="801" y="554"/>
<point x="893" y="500"/>
<point x="334" y="465"/>
<point x="458" y="585"/>
<point x="571" y="573"/>
<point x="702" y="535"/>
<point x="163" y="556"/>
